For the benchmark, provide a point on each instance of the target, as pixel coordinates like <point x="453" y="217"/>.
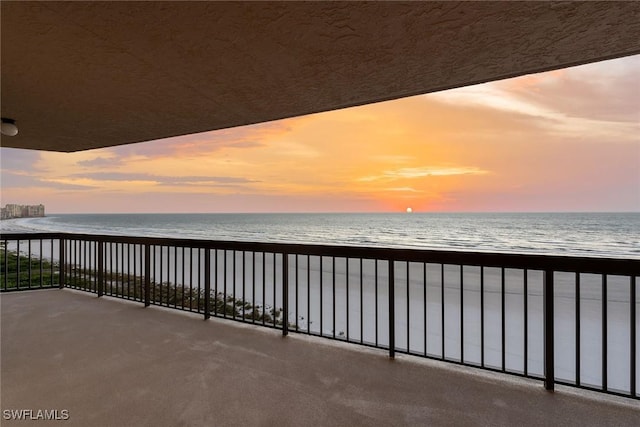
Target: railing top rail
<point x="25" y="236"/>
<point x="595" y="265"/>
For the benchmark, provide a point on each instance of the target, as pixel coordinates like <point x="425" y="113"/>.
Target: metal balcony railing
<point x="563" y="320"/>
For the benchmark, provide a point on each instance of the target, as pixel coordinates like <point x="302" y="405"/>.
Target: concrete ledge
<point x="114" y="363"/>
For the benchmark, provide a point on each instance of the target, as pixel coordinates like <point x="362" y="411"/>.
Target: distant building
<point x="22" y="211"/>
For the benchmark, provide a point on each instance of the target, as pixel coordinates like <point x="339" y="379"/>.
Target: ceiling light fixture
<point x="9" y="127"/>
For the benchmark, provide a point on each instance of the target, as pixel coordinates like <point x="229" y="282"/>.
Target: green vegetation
<point x="171" y="295"/>
<point x="22" y="272"/>
<point x="130" y="287"/>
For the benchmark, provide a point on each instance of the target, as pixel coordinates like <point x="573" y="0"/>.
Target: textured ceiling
<point x="81" y="75"/>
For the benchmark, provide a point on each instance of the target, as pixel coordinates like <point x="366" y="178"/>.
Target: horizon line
<point x="338" y="212"/>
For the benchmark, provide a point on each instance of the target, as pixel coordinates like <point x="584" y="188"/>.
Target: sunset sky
<point x="566" y="140"/>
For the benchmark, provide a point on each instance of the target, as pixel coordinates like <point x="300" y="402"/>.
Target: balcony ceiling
<point x="83" y="75"/>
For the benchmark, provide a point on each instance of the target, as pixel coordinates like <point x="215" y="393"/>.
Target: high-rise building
<point x="22" y="211"/>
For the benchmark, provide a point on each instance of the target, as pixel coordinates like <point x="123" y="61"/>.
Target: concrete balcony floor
<point x="114" y="363"/>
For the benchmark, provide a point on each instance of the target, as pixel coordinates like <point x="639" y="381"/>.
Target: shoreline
<point x="22" y="217"/>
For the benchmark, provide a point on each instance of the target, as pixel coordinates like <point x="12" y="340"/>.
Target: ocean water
<point x="579" y="234"/>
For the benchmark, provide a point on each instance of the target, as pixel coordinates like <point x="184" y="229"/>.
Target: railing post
<point x="100" y="244"/>
<point x="62" y="264"/>
<point x="392" y="310"/>
<point x="549" y="373"/>
<point x="605" y="351"/>
<point x="632" y="330"/>
<point x="207" y="283"/>
<point x="147" y="275"/>
<point x="285" y="294"/>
